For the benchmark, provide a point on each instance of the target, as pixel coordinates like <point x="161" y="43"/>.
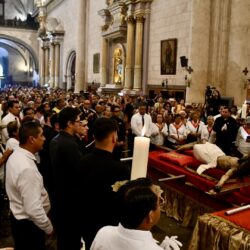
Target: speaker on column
<point x="184" y="61"/>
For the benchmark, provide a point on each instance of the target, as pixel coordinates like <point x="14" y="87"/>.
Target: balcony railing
<point x="18" y="24"/>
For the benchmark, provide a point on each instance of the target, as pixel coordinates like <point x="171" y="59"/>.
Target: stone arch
<point x="22" y="44"/>
<point x="70" y="70"/>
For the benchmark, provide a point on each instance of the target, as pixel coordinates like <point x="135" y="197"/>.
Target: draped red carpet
<point x="161" y="164"/>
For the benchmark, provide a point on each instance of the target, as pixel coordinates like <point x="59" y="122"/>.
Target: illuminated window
<point x="1" y="70"/>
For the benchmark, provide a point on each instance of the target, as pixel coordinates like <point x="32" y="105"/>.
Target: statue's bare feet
<point x="211" y="192"/>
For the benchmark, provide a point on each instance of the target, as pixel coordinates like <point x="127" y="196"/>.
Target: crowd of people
<point x="67" y="150"/>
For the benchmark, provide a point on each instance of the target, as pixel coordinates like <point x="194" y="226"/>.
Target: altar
<point x="187" y="197"/>
<point x="219" y="231"/>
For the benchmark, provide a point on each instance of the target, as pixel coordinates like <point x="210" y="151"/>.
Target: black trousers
<point x="26" y="235"/>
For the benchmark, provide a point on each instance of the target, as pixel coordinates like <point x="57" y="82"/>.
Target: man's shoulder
<point x="8" y="117"/>
<point x="107" y="229"/>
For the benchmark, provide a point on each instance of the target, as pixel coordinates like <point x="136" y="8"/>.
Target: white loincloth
<point x="207" y="153"/>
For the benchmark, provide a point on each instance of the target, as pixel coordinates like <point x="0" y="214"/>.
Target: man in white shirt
<point x="29" y="201"/>
<point x="13" y="115"/>
<point x="139" y="207"/>
<point x="140" y="120"/>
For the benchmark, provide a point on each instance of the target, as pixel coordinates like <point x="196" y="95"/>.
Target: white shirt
<point x="209" y="136"/>
<point x="242" y="146"/>
<point x="12" y="143"/>
<point x="217" y="116"/>
<point x="7" y="119"/>
<point x="191" y="128"/>
<point x="120" y="238"/>
<point x="136" y="124"/>
<point x="24" y="186"/>
<point x="180" y="133"/>
<point x="157" y="136"/>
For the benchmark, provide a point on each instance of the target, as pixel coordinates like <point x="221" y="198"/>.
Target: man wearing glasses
<point x="65" y="157"/>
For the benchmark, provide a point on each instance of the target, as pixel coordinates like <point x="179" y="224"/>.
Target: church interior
<point x="188" y="57"/>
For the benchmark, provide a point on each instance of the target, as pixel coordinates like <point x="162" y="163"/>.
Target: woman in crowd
<point x="157" y="136"/>
<point x="194" y="127"/>
<point x="207" y="133"/>
<point x="177" y="132"/>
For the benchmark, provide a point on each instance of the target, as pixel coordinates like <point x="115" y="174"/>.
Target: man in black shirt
<point x="121" y="132"/>
<point x="226" y="129"/>
<point x="99" y="171"/>
<point x="65" y="158"/>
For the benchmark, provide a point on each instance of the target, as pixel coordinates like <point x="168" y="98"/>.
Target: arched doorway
<point x="20" y="66"/>
<point x="70" y="70"/>
<point x="4" y="66"/>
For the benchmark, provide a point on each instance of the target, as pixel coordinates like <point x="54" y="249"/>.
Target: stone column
<point x="42" y="65"/>
<point x="80" y="83"/>
<point x="57" y="64"/>
<point x="130" y="47"/>
<point x="145" y="52"/>
<point x="104" y="62"/>
<point x="138" y="53"/>
<point x="219" y="42"/>
<point x="46" y="63"/>
<point x="52" y="65"/>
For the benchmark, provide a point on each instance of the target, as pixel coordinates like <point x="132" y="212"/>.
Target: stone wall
<point x="94" y="37"/>
<point x="169" y="19"/>
<point x="64" y="13"/>
<point x="213" y="35"/>
<point x="239" y="50"/>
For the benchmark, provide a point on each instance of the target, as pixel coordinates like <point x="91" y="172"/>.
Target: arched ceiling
<point x="21" y="50"/>
<point x="18" y="8"/>
<point x="20" y="47"/>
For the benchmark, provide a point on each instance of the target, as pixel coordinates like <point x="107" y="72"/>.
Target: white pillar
<point x="57" y="64"/>
<point x="138" y="53"/>
<point x="130" y="47"/>
<point x="80" y="83"/>
<point x="104" y="62"/>
<point x="46" y="63"/>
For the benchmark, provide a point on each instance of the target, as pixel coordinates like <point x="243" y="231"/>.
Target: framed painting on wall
<point x="96" y="63"/>
<point x="168" y="56"/>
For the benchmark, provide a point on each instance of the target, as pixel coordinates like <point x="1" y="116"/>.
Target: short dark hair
<point x="47" y="114"/>
<point x="136" y="199"/>
<point x="25" y="110"/>
<point x="66" y="115"/>
<point x="12" y="127"/>
<point x="113" y="107"/>
<point x="11" y="103"/>
<point x="53" y="119"/>
<point x="27" y="129"/>
<point x="103" y="127"/>
<point x="143" y="104"/>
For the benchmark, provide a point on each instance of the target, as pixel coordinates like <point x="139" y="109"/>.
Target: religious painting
<point x="118" y="66"/>
<point x="168" y="56"/>
<point x="96" y="63"/>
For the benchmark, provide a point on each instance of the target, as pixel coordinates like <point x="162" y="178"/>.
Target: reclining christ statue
<point x="212" y="156"/>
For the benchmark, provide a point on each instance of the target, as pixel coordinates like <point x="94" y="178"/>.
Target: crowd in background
<point x="168" y="122"/>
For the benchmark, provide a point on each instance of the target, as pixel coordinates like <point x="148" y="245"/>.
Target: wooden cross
<point x="245" y="71"/>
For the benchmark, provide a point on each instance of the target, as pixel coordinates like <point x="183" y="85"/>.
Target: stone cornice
<point x="53" y="4"/>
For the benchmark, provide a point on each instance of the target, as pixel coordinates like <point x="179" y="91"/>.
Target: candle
<point x="244" y="111"/>
<point x="236" y="210"/>
<point x="140" y="157"/>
